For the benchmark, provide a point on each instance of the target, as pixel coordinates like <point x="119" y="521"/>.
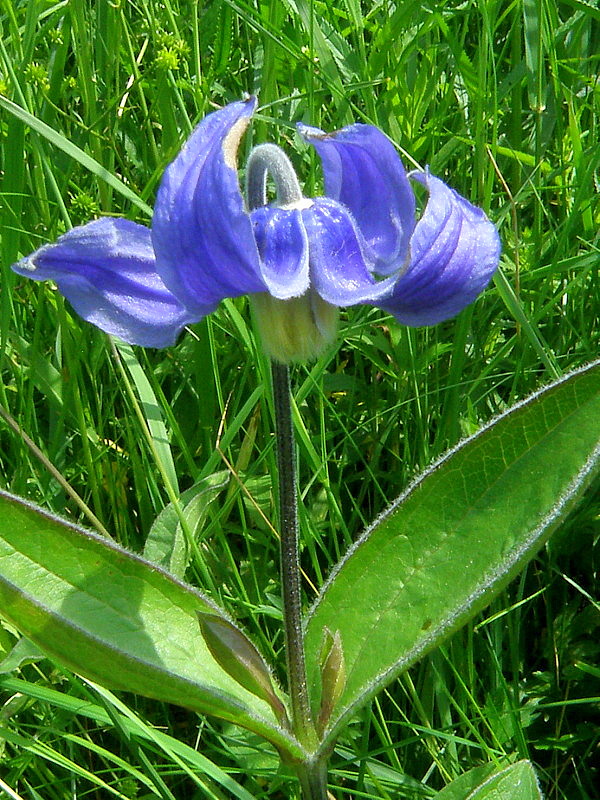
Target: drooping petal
<point x="337" y="266"/>
<point x="363" y="171"/>
<point x="106" y="270"/>
<point x="202" y="234"/>
<point x="454" y="252"/>
<point x="283" y="247"/>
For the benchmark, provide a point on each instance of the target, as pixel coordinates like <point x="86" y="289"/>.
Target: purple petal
<point x="363" y="171"/>
<point x="106" y="270"/>
<point x="337" y="266"/>
<point x="202" y="235"/>
<point x="283" y="246"/>
<point x="454" y="252"/>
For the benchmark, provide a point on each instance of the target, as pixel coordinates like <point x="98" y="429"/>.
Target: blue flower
<point x="298" y="258"/>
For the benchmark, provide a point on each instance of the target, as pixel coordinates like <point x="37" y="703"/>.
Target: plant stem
<point x="313" y="780"/>
<point x="290" y="562"/>
<point x="311" y="774"/>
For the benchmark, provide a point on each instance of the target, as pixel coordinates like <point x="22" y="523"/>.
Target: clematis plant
<point x="298" y="258"/>
<point x="430" y="561"/>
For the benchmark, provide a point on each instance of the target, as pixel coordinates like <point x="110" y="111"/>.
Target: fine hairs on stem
<point x="290" y="567"/>
<point x="270" y="160"/>
<point x="312" y="774"/>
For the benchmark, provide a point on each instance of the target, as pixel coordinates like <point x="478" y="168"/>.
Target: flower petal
<point x="106" y="270"/>
<point x="337" y="267"/>
<point x="454" y="252"/>
<point x="283" y="246"/>
<point x="363" y="171"/>
<point x="202" y="234"/>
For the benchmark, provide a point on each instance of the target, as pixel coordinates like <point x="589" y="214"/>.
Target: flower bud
<point x="333" y="676"/>
<point x="236" y="654"/>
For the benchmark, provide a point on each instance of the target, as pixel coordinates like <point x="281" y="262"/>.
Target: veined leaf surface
<point x="455" y="537"/>
<point x="515" y="782"/>
<point x="117" y="619"/>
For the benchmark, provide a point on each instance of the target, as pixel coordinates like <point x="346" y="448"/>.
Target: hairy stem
<point x="268" y="159"/>
<point x="313" y="780"/>
<point x="290" y="566"/>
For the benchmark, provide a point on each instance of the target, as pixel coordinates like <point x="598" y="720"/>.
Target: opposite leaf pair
<point x="436" y="557"/>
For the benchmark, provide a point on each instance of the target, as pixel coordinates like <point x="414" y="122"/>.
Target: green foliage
<point x="516" y="782"/>
<point x="501" y="100"/>
<point x="175" y="532"/>
<point x="422" y="570"/>
<point x="446" y="547"/>
<point x="117" y="619"/>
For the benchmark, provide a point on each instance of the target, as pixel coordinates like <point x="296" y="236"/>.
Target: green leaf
<point x="24" y="652"/>
<point x="516" y="782"/>
<point x="166" y="544"/>
<point x="117" y="619"/>
<point x="461" y="787"/>
<point x="448" y="544"/>
<point x="153" y="416"/>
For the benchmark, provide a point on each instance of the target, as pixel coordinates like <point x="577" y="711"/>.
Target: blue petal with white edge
<point x="337" y="266"/>
<point x="454" y="252"/>
<point x="202" y="234"/>
<point x="363" y="171"/>
<point x="106" y="270"/>
<point x="283" y="247"/>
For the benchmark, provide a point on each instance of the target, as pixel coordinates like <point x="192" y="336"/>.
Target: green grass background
<point x="501" y="99"/>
